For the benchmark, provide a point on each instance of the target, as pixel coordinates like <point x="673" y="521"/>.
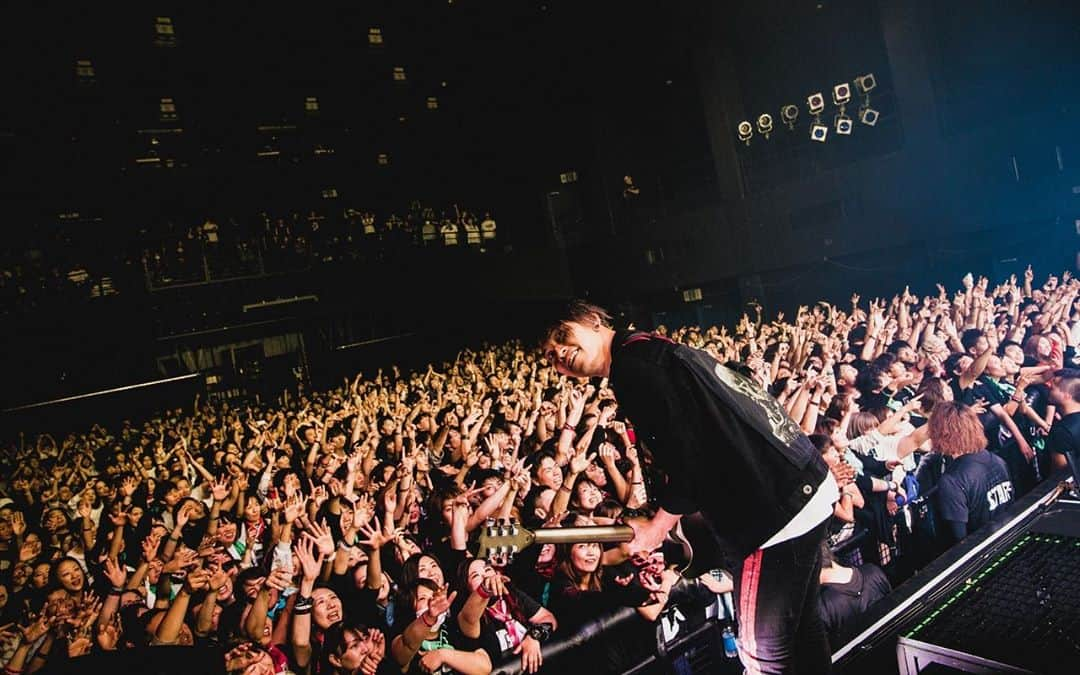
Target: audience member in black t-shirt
<point x="976" y="484"/>
<point x="1064" y="436"/>
<point x="847" y="592"/>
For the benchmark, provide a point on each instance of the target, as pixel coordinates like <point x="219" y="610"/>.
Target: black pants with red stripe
<point x="776" y="592"/>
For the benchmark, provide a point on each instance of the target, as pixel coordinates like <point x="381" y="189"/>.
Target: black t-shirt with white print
<point x="972" y="491"/>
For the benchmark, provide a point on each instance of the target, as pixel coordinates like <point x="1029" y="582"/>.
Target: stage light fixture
<point x="816" y="103"/>
<point x="841" y="93"/>
<point x="789" y="114"/>
<point x="746" y="131"/>
<point x="868" y="116"/>
<point x="843" y="124"/>
<point x="764" y="124"/>
<point x="819" y="132"/>
<point x="864" y="84"/>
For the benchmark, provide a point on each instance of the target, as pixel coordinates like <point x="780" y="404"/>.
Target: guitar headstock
<point x="502" y="538"/>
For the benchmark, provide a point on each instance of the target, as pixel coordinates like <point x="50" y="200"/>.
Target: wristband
<point x="567" y="427"/>
<point x="424" y="616"/>
<point x="115" y="591"/>
<point x="482" y="592"/>
<point x="540" y="631"/>
<point x="303" y="605"/>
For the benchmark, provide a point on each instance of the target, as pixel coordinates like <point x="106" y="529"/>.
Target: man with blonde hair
<point x="976" y="486"/>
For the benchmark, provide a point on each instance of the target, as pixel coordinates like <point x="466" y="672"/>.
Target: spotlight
<point x="843" y="125"/>
<point x="746" y="131"/>
<point x="868" y="116"/>
<point x="841" y="93"/>
<point x="865" y="83"/>
<point x="816" y="102"/>
<point x="789" y="114"/>
<point x="764" y="124"/>
<point x="818" y="132"/>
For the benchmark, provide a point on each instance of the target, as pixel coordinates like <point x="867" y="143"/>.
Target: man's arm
<point x="968" y="377"/>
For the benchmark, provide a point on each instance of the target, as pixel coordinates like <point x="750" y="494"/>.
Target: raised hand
<point x="844" y="473"/>
<point x="363" y="510"/>
<point x="220" y="489"/>
<point x="522" y="482"/>
<point x="319" y="496"/>
<point x="979" y="406"/>
<point x="577" y="399"/>
<point x="471" y="459"/>
<point x="440" y="602"/>
<point x="219" y="577"/>
<point x="376" y="653"/>
<point x="389" y="499"/>
<point x="336" y="487"/>
<point x="310" y="564"/>
<point x="608" y="454"/>
<point x="294" y="506"/>
<point x="118" y="519"/>
<point x="183" y="515"/>
<point x="108" y="634"/>
<point x="115" y="573"/>
<point x="278" y="579"/>
<point x="375" y="537"/>
<point x="29" y="550"/>
<point x="150" y="546"/>
<point x="581" y="461"/>
<point x="92" y="605"/>
<point x="197" y="580"/>
<point x="321" y="538"/>
<point x="79" y="646"/>
<point x="36" y="629"/>
<point x="495" y="584"/>
<point x="241" y="657"/>
<point x="189" y="557"/>
<point x="128" y="486"/>
<point x="18" y="523"/>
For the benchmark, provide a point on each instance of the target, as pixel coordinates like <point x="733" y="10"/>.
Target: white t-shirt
<point x="816" y="510"/>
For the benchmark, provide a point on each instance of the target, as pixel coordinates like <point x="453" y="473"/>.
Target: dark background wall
<point x="971" y="165"/>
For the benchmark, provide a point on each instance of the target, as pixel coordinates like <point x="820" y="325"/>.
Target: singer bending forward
<point x="731" y="452"/>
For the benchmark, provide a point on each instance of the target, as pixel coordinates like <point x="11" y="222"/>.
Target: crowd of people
<point x="224" y="248"/>
<point x="330" y="531"/>
<point x="57" y="263"/>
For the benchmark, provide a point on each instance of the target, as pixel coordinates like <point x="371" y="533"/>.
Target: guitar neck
<point x="582" y="535"/>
